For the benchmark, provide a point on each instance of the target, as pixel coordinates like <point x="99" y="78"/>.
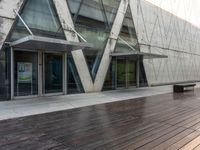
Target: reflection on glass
<point x="128" y="34"/>
<point x="131" y="73"/>
<point x="41" y="17"/>
<point x="94" y="19"/>
<point x="143" y="78"/>
<point x="73" y="81"/>
<point x="125" y="67"/>
<point x="121" y="73"/>
<point x="53" y="73"/>
<point x="110" y="81"/>
<point x="25" y="73"/>
<point x="4" y="74"/>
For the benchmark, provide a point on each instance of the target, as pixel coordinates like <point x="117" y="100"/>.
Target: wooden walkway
<point x="169" y="121"/>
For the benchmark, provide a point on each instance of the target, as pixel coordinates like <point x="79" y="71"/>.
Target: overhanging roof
<point x="138" y="54"/>
<point x="49" y="44"/>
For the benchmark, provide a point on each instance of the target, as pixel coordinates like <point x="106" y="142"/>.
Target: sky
<point x="188" y="10"/>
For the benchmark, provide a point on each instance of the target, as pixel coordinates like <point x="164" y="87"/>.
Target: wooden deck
<point x="169" y="121"/>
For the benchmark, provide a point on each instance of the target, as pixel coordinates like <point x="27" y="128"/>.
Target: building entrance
<point x="25" y="73"/>
<point x="38" y="73"/>
<point x="53" y="73"/>
<point x="125" y="73"/>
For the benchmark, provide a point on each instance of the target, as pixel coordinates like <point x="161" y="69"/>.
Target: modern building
<point x="53" y="47"/>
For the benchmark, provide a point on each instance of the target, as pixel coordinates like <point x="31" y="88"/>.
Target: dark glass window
<point x="121" y="74"/>
<point x="25" y="73"/>
<point x="4" y="74"/>
<point x="143" y="78"/>
<point x="74" y="84"/>
<point x="53" y="73"/>
<point x="110" y="81"/>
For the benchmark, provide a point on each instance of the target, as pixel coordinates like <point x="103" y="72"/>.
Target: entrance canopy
<point x="49" y="44"/>
<point x="138" y="55"/>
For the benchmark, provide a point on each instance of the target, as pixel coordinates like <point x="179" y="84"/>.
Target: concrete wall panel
<point x="171" y="36"/>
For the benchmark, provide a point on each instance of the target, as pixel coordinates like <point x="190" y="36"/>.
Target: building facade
<point x="52" y="47"/>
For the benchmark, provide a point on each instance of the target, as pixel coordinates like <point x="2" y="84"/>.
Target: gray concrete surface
<point x="27" y="107"/>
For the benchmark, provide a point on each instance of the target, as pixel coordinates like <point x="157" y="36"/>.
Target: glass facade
<point x="41" y="18"/>
<point x="128" y="34"/>
<point x="25" y="73"/>
<point x="122" y="71"/>
<point x="143" y="78"/>
<point x="4" y="74"/>
<point x="93" y="19"/>
<point x="121" y="74"/>
<point x="53" y="73"/>
<point x="131" y="72"/>
<point x="74" y="84"/>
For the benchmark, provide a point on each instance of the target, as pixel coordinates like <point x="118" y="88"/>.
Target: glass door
<point x="131" y="73"/>
<point x="25" y="73"/>
<point x="121" y="73"/>
<point x="53" y="73"/>
<point x="125" y="73"/>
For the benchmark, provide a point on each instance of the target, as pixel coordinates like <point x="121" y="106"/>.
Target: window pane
<point x="4" y="74"/>
<point x="25" y="73"/>
<point x="121" y="73"/>
<point x="131" y="73"/>
<point x="73" y="82"/>
<point x="128" y="34"/>
<point x="53" y="73"/>
<point x="110" y="81"/>
<point x="93" y="20"/>
<point x="41" y="18"/>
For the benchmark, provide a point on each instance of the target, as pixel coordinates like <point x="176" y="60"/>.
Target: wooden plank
<point x="183" y="141"/>
<point x="170" y="141"/>
<point x="197" y="148"/>
<point x="148" y="143"/>
<point x="191" y="145"/>
<point x="156" y="122"/>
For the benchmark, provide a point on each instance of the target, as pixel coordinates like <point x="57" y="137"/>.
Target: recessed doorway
<point x="37" y="73"/>
<point x="53" y="73"/>
<point x="25" y="73"/>
<point x="125" y="73"/>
